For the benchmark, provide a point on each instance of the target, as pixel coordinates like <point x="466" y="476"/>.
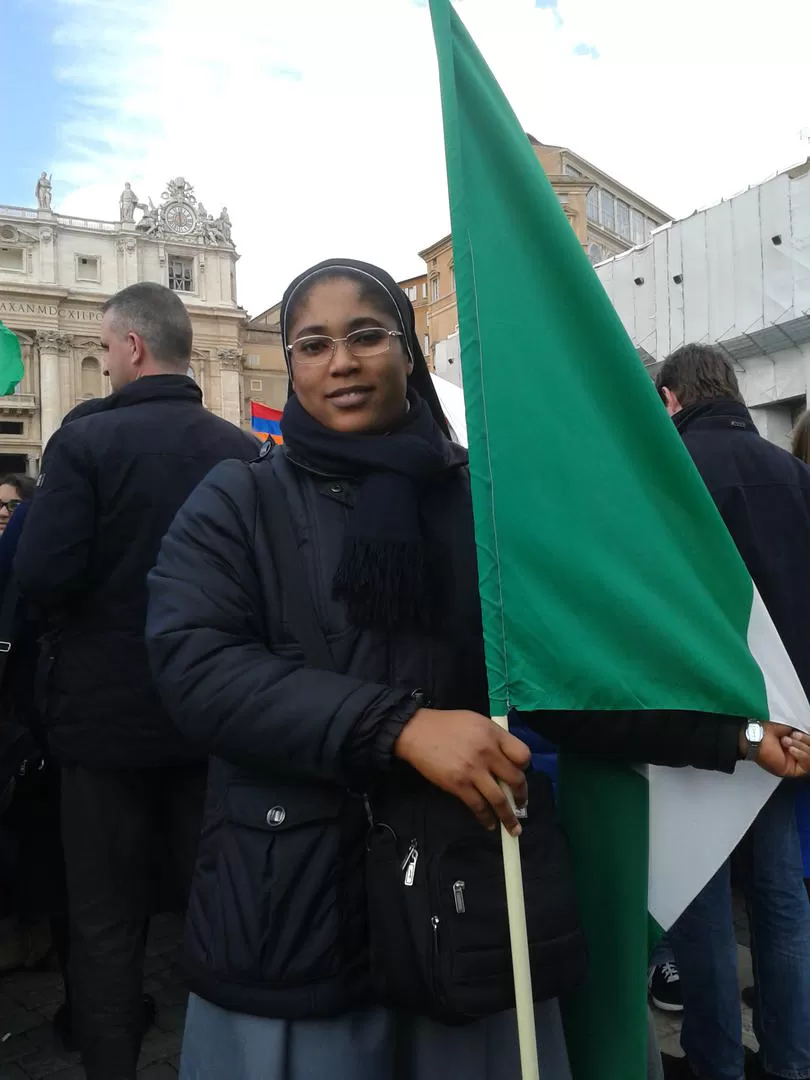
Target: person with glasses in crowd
<point x="15" y="489"/>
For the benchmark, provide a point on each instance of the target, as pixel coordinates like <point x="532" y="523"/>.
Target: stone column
<point x="51" y="409"/>
<point x="230" y="363"/>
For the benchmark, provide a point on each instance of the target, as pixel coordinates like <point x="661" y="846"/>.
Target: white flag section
<point x="697" y="818"/>
<point x="451" y="399"/>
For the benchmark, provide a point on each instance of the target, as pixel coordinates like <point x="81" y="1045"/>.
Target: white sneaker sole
<point x="665" y="1006"/>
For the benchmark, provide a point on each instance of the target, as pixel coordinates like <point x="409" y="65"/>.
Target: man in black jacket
<point x="763" y="495"/>
<point x="131" y="788"/>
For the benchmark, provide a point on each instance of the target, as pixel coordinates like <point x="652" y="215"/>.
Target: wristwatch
<point x="754" y="734"/>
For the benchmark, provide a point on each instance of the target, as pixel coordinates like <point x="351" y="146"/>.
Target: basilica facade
<point x="56" y="271"/>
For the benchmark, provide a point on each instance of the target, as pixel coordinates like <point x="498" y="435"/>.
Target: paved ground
<point x="28" y="1001"/>
<point x="28" y="1050"/>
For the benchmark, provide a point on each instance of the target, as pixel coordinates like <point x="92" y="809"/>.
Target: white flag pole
<point x="516" y="906"/>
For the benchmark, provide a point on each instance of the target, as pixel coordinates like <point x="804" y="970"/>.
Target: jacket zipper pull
<point x="458" y="897"/>
<point x="409" y="863"/>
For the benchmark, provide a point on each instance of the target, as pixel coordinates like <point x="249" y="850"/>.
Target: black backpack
<point x="438" y="924"/>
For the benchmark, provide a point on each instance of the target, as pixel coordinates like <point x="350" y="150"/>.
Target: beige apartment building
<point x="56" y="271"/>
<point x="606" y="217"/>
<point x="265" y="373"/>
<point x="417" y="291"/>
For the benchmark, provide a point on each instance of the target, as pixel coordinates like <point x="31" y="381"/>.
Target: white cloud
<point x="318" y="123"/>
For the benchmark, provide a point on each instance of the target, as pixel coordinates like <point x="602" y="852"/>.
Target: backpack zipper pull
<point x="409" y="863"/>
<point x="458" y="897"/>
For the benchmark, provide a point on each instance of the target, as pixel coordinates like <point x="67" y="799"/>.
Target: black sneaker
<point x="664" y="985"/>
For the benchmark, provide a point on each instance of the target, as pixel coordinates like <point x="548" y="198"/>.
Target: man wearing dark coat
<point x="763" y="495"/>
<point x="131" y="787"/>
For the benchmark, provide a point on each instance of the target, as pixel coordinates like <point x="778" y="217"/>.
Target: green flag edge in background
<point x="11" y="365"/>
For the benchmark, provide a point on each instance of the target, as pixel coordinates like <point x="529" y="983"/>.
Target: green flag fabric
<point x="11" y="365"/>
<point x="608" y="580"/>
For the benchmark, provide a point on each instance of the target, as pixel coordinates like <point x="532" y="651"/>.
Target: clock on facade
<point x="179" y="217"/>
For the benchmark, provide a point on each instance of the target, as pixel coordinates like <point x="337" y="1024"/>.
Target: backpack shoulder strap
<point x="274" y="515"/>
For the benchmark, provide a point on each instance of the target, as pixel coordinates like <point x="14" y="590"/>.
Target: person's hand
<point x="466" y="754"/>
<point x="783" y="752"/>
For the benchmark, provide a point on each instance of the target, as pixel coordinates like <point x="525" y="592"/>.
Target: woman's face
<point x="347" y="394"/>
<point x="8" y="494"/>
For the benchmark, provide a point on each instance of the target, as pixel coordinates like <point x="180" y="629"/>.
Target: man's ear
<point x="671" y="402"/>
<point x="137" y="347"/>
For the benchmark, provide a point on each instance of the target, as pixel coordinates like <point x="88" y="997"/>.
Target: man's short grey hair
<point x="159" y="316"/>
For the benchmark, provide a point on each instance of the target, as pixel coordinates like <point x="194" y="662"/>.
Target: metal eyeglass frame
<point x="341" y="340"/>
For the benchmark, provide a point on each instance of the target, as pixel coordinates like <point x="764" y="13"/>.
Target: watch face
<point x="179" y="217"/>
<point x="754" y="732"/>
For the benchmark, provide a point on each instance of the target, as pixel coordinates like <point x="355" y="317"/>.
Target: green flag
<point x="11" y="365"/>
<point x="608" y="580"/>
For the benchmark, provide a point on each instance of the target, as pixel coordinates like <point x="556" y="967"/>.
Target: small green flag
<point x="608" y="579"/>
<point x="11" y="365"/>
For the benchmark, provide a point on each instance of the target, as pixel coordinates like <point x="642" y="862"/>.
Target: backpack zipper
<point x="409" y="863"/>
<point x="458" y="897"/>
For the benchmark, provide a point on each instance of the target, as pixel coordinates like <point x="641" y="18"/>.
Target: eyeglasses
<point x="320" y="348"/>
<point x="9" y="504"/>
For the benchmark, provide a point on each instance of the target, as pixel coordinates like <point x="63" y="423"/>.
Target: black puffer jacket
<point x="276" y="920"/>
<point x="112" y="482"/>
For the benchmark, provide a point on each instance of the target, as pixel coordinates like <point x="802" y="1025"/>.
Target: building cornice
<point x="436" y="247"/>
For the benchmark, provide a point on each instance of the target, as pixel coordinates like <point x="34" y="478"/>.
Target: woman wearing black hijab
<point x="379" y="500"/>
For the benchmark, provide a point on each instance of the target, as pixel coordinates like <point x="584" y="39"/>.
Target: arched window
<point x="91" y="377"/>
<point x="595" y="253"/>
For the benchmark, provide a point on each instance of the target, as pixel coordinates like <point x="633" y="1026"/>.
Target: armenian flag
<point x="265" y="422"/>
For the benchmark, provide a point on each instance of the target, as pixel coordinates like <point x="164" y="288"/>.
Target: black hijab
<point x="385" y="575"/>
<point x="420" y="379"/>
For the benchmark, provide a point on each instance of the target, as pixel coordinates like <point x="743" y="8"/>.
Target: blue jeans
<point x="706" y="953"/>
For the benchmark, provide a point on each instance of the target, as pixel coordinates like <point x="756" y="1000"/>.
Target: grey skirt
<point x="369" y="1044"/>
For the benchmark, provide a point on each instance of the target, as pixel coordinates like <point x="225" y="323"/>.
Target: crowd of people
<point x="230" y="672"/>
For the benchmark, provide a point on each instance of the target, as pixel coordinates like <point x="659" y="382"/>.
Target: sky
<point x="318" y="124"/>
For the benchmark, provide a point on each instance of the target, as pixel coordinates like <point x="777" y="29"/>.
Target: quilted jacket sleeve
<point x="226" y="690"/>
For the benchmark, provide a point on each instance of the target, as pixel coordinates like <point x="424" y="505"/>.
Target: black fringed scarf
<point x="384" y="575"/>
